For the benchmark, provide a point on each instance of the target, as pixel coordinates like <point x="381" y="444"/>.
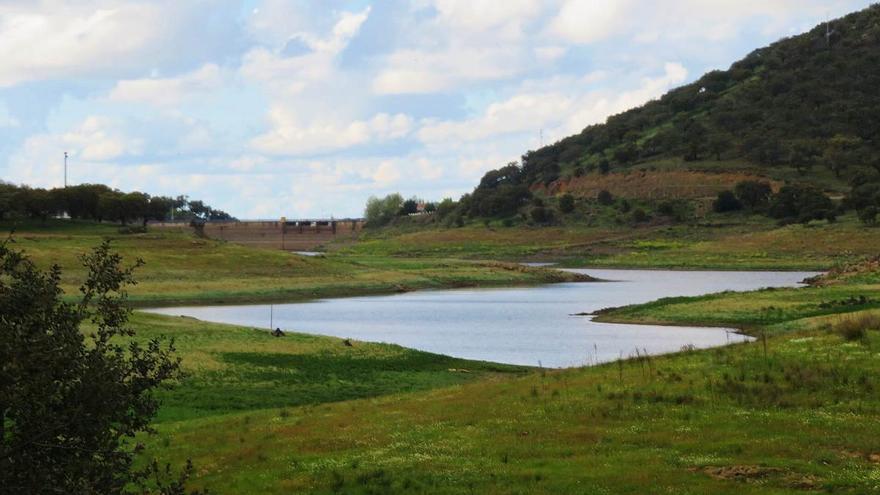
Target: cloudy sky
<point x="267" y="108"/>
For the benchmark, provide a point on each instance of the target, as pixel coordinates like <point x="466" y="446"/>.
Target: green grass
<point x="181" y="268"/>
<point x="734" y="242"/>
<point x="795" y="411"/>
<point x="232" y="369"/>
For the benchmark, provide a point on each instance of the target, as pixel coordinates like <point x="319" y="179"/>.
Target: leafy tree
<point x="72" y="402"/>
<point x="445" y="207"/>
<point x="566" y="203"/>
<point x="409" y="207"/>
<point x="541" y="215"/>
<point x="380" y="212"/>
<point x="753" y="194"/>
<point x="605" y="198"/>
<point x="726" y="202"/>
<point x="801" y="202"/>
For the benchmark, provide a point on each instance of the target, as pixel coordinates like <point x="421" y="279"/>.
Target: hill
<point x="803" y="110"/>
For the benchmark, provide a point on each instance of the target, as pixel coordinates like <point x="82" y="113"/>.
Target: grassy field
<point x="181" y="268"/>
<point x="726" y="242"/>
<point x="794" y="412"/>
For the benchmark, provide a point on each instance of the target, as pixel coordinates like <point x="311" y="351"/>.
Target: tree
<point x="541" y="215"/>
<point x="800" y="203"/>
<point x="445" y="207"/>
<point x="753" y="194"/>
<point x="409" y="207"/>
<point x="566" y="203"/>
<point x="605" y="198"/>
<point x="726" y="202"/>
<point x="379" y="212"/>
<point x="71" y="402"/>
<point x="8" y="205"/>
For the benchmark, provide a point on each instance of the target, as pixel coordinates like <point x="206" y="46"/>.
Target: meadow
<point x="181" y="268"/>
<point x="794" y="411"/>
<point x="732" y="241"/>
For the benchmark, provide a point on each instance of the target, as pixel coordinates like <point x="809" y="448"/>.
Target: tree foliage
<point x="100" y="203"/>
<point x="71" y="402"/>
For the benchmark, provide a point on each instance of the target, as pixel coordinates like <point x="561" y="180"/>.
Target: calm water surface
<point x="528" y="326"/>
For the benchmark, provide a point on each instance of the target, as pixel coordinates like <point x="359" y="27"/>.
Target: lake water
<point x="526" y="325"/>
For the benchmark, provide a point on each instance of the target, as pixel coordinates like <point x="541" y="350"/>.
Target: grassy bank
<point x="232" y="369"/>
<point x="726" y="242"/>
<point x="183" y="269"/>
<point x="794" y="412"/>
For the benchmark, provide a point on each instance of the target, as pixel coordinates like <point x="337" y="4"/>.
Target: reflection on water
<point x="526" y="326"/>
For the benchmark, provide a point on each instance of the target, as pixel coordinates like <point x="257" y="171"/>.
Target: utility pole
<point x="65" y="169"/>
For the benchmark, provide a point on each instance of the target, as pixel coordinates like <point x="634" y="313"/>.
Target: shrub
<point x="726" y="202"/>
<point x="676" y="209"/>
<point x="640" y="216"/>
<point x="541" y="215"/>
<point x="753" y="194"/>
<point x="605" y="198"/>
<point x="800" y="202"/>
<point x="566" y="203"/>
<point x="856" y="328"/>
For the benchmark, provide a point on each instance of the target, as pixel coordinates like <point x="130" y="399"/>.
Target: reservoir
<point x="525" y="325"/>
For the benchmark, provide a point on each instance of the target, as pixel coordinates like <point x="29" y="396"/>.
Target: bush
<point x="856" y="328"/>
<point x="801" y="203"/>
<point x="380" y="212"/>
<point x="640" y="216"/>
<point x="677" y="209"/>
<point x="753" y="194"/>
<point x="726" y="202"/>
<point x="541" y="215"/>
<point x="605" y="198"/>
<point x="868" y="215"/>
<point x="566" y="203"/>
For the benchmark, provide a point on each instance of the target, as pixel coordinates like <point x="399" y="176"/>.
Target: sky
<point x="304" y="109"/>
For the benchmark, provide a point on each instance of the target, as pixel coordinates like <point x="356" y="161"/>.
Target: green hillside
<point x="804" y="106"/>
<point x="802" y="112"/>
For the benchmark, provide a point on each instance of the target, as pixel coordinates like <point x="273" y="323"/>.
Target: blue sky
<point x="269" y="108"/>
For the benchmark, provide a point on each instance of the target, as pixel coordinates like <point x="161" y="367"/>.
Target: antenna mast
<point x="65" y="169"/>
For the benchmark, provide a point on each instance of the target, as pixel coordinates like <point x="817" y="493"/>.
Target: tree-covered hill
<point x="799" y="107"/>
<point x="800" y="117"/>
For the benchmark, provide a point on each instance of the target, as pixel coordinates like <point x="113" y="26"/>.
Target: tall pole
<point x="65" y="169"/>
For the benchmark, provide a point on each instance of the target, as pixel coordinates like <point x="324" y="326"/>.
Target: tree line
<point x="100" y="203"/>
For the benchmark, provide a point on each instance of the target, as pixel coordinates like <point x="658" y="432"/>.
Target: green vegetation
<point x="796" y="410"/>
<point x="71" y="403"/>
<point x="181" y="268"/>
<point x="231" y="369"/>
<point x="802" y="110"/>
<point x="724" y="241"/>
<point x="99" y="203"/>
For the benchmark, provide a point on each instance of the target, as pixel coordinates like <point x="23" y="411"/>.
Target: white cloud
<point x="168" y="91"/>
<point x="482" y="15"/>
<point x="587" y="21"/>
<point x="425" y="71"/>
<point x="54" y="39"/>
<point x="97" y="139"/>
<point x="386" y="173"/>
<point x="523" y="112"/>
<point x="289" y="137"/>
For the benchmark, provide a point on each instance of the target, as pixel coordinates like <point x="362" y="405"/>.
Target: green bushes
<point x="855" y="328"/>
